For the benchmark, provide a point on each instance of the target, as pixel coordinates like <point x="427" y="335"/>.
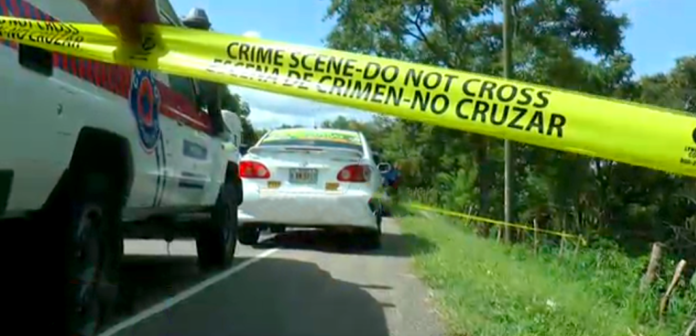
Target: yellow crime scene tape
<point x="426" y="208"/>
<point x="568" y="121"/>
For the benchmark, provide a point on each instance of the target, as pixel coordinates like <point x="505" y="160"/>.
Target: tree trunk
<point x="653" y="267"/>
<point x="484" y="180"/>
<point x="519" y="235"/>
<point x="691" y="328"/>
<point x="536" y="236"/>
<point x="670" y="288"/>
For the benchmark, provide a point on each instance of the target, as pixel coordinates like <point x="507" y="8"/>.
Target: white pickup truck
<point x="93" y="153"/>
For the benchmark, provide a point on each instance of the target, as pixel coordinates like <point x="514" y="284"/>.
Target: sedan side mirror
<point x="376" y="158"/>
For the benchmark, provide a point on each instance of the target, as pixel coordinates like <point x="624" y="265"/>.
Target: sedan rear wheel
<point x="371" y="239"/>
<point x="248" y="235"/>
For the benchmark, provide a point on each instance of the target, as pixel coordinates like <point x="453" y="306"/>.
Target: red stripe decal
<point x="114" y="78"/>
<point x="14" y="7"/>
<point x="29" y="10"/>
<point x="89" y="71"/>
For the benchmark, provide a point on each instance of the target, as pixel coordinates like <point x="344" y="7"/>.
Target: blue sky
<point x="660" y="32"/>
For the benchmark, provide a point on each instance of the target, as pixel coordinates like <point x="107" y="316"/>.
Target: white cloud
<point x="272" y="110"/>
<point x="264" y="119"/>
<point x="251" y="33"/>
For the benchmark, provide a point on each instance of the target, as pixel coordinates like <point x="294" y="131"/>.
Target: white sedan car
<point x="310" y="178"/>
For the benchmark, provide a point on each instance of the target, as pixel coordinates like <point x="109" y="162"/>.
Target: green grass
<point x="487" y="289"/>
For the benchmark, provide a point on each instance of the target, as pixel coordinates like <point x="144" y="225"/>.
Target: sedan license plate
<point x="303" y="176"/>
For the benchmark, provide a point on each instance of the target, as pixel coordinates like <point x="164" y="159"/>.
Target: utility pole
<point x="509" y="156"/>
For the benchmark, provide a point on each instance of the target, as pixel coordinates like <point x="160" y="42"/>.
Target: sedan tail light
<point x="253" y="170"/>
<point x="354" y="173"/>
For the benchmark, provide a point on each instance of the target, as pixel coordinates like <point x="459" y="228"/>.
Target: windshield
<point x="314" y="138"/>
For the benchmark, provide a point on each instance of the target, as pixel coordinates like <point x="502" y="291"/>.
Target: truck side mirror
<point x="233" y="125"/>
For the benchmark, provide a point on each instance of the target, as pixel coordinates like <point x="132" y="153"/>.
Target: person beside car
<point x="392" y="177"/>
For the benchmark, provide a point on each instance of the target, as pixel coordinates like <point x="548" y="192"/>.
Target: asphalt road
<point x="301" y="283"/>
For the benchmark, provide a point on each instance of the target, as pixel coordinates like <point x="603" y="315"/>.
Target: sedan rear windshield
<point x="311" y="143"/>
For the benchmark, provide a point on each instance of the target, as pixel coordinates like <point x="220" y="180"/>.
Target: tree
<point x="340" y="122"/>
<point x="676" y="89"/>
<point x="464" y="35"/>
<point x="286" y="126"/>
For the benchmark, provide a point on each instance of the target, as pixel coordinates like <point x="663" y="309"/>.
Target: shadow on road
<point x="146" y="280"/>
<point x="397" y="245"/>
<point x="274" y="297"/>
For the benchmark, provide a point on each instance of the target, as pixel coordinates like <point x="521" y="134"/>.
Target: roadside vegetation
<point x="484" y="288"/>
<point x="495" y="281"/>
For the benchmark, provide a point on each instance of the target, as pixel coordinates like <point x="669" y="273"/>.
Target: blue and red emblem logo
<point x="144" y="101"/>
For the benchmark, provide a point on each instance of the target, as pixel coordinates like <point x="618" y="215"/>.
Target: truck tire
<point x="217" y="240"/>
<point x="89" y="213"/>
<point x="249" y="235"/>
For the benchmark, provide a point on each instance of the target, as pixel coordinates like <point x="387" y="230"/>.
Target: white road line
<point x="170" y="302"/>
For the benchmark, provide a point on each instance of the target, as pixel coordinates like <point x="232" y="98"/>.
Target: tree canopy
<point x="462" y="171"/>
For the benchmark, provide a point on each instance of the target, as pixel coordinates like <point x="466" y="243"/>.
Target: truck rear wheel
<point x="217" y="240"/>
<point x="89" y="214"/>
